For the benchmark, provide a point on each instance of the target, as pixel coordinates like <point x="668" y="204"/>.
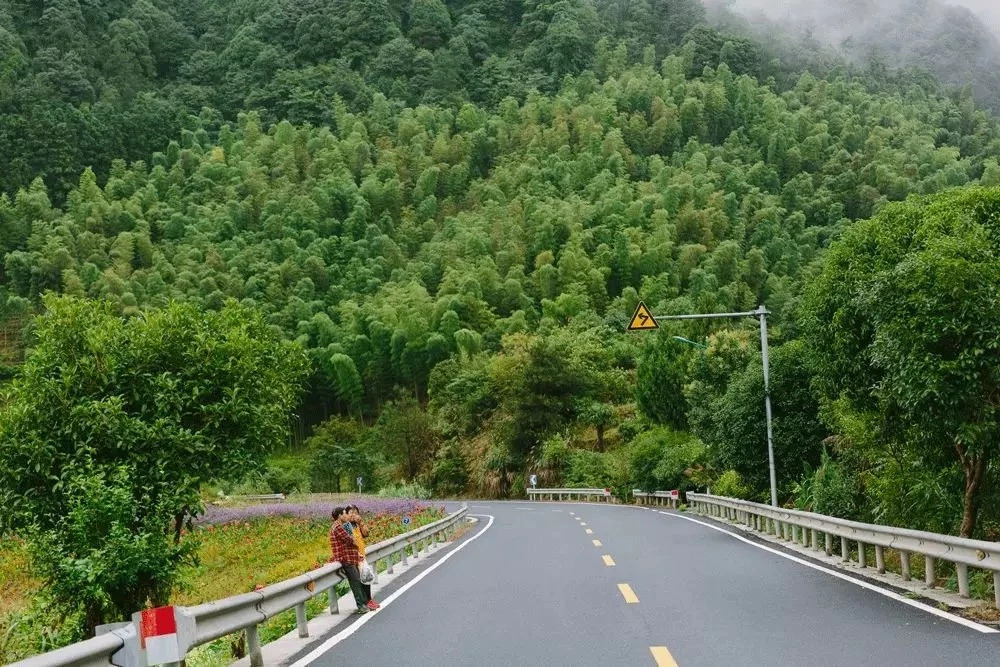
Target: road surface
<point x="588" y="584"/>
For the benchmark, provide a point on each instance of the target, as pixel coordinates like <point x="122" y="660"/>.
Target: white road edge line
<point x="321" y="650"/>
<point x="840" y="575"/>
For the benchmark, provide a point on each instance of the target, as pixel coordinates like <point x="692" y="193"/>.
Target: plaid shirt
<point x="343" y="547"/>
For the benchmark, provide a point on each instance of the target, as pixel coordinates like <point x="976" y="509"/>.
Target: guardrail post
<point x="828" y="539"/>
<point x="861" y="554"/>
<point x="879" y="559"/>
<point x="253" y="647"/>
<point x="301" y="621"/>
<point x="962" y="570"/>
<point x="334" y="602"/>
<point x="996" y="589"/>
<point x="845" y="552"/>
<point x="403" y="560"/>
<point x="929" y="571"/>
<point x="812" y="535"/>
<point x="904" y="562"/>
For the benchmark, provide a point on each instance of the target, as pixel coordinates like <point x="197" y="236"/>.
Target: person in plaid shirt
<point x="344" y="550"/>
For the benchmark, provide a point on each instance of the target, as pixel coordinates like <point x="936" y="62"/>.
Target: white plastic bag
<point x="366" y="572"/>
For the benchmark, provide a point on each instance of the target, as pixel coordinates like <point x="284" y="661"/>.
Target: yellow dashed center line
<point x="590" y="532"/>
<point x="662" y="656"/>
<point x="597" y="543"/>
<point x="628" y="594"/>
<point x="608" y="561"/>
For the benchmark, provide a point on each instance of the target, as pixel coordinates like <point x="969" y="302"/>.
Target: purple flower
<point x="312" y="511"/>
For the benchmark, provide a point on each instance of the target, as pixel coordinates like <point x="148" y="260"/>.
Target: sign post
<point x="643" y="320"/>
<point x="360" y="483"/>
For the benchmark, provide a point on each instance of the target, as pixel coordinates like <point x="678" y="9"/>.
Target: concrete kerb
<point x="281" y="651"/>
<point x="836" y="561"/>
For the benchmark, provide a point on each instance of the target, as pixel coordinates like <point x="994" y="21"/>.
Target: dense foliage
<point x="110" y="430"/>
<point x="905" y="326"/>
<point x="83" y="83"/>
<point x="456" y="211"/>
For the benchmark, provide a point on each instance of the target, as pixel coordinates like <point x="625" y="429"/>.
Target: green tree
<point x="340" y="450"/>
<point x="147" y="409"/>
<point x="903" y="324"/>
<point x="430" y="24"/>
<point x="405" y="432"/>
<point x="600" y="416"/>
<point x="660" y="380"/>
<point x="740" y="427"/>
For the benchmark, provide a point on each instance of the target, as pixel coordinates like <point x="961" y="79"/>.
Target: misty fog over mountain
<point x="957" y="40"/>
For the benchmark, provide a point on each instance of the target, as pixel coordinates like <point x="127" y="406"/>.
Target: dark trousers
<point x="362" y="592"/>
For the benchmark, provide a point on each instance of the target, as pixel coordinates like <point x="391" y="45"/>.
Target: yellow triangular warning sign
<point x="643" y="319"/>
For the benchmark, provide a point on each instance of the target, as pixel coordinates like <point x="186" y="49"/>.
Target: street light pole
<point x="761" y="314"/>
<point x="762" y="311"/>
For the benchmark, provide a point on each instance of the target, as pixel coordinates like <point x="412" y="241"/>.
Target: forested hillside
<point x="943" y="38"/>
<point x="455" y="213"/>
<point x="85" y="82"/>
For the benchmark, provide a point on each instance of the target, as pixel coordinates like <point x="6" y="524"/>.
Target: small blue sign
<point x="406" y="521"/>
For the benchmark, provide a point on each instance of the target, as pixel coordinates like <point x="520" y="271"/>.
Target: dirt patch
<point x="985" y="614"/>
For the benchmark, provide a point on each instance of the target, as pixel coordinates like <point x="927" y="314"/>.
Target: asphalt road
<point x="533" y="589"/>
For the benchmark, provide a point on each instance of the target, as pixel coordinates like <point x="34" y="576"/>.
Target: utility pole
<point x="644" y="320"/>
<point x="762" y="311"/>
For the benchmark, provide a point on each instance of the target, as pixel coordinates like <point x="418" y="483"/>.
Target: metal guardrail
<point x="559" y="494"/>
<point x="259" y="496"/>
<point x="245" y="612"/>
<point x="657" y="498"/>
<point x="805" y="527"/>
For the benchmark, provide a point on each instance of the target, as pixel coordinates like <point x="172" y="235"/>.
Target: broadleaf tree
<point x="146" y="408"/>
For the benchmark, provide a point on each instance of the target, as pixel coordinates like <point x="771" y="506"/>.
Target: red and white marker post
<point x="158" y="636"/>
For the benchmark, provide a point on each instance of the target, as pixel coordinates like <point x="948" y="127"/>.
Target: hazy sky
<point x="988" y="10"/>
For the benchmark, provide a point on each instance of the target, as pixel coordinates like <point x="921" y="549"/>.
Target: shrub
<point x="130" y="558"/>
<point x="288" y="477"/>
<point x="450" y="474"/>
<point x="411" y="490"/>
<point x="588" y="469"/>
<point x="731" y="485"/>
<point x="660" y="457"/>
<point x="834" y="490"/>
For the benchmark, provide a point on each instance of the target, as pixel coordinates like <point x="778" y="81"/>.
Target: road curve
<point x="533" y="589"/>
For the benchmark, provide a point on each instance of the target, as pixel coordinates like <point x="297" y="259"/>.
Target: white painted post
<point x="301" y="621"/>
<point x="962" y="570"/>
<point x="929" y="571"/>
<point x="861" y="554"/>
<point x="904" y="560"/>
<point x="331" y="594"/>
<point x="845" y="552"/>
<point x="996" y="589"/>
<point x="829" y="543"/>
<point x="879" y="559"/>
<point x="253" y="647"/>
